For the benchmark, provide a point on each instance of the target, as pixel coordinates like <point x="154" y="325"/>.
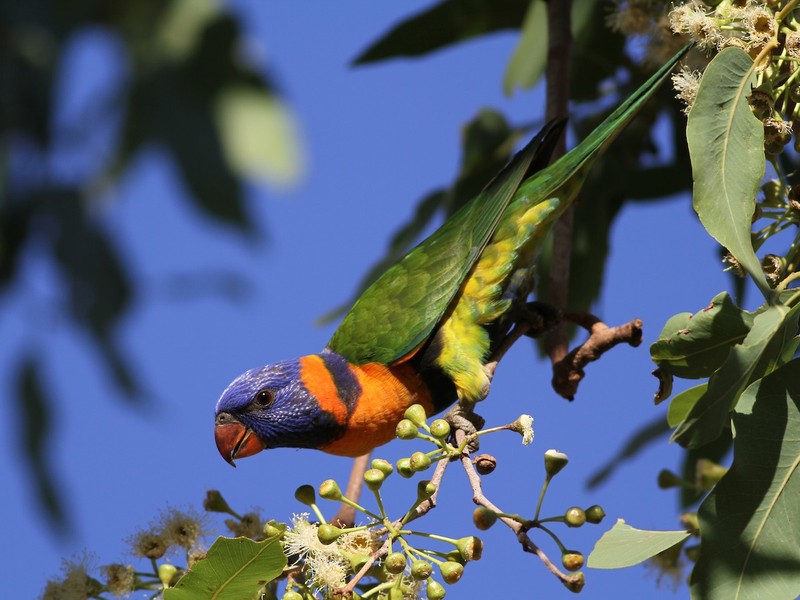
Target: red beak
<point x="234" y="440"/>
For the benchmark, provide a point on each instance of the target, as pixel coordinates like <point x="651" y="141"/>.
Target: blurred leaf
<point x="446" y="23"/>
<point x="748" y="523"/>
<point x="624" y="546"/>
<point x="591" y="68"/>
<point x="773" y="329"/>
<point x="33" y="405"/>
<point x="682" y="404"/>
<point x="694" y="346"/>
<point x="530" y="56"/>
<point x="258" y="135"/>
<point x="182" y="25"/>
<point x="726" y="143"/>
<point x="639" y="440"/>
<point x="234" y="569"/>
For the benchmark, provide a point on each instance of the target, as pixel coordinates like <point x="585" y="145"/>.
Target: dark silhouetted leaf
<point x="639" y="440"/>
<point x="33" y="406"/>
<point x="446" y="23"/>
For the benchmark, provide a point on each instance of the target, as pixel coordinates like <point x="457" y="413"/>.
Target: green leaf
<point x="446" y="23"/>
<point x="624" y="546"/>
<point x="530" y="56"/>
<point x="694" y="346"/>
<point x="748" y="523"/>
<point x="234" y="569"/>
<point x="726" y="144"/>
<point x="773" y="329"/>
<point x="682" y="404"/>
<point x="258" y="135"/>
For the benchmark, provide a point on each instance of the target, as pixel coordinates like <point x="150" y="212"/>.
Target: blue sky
<point x="376" y="139"/>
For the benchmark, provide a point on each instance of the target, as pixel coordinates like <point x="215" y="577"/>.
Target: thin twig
<point x="569" y="371"/>
<point x="521" y="533"/>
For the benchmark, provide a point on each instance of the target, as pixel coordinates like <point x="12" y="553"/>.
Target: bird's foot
<point x="540" y="318"/>
<point x="462" y="416"/>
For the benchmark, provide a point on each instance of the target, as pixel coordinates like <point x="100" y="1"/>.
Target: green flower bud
<point x="421" y="569"/>
<point x="419" y="462"/>
<point x="272" y="528"/>
<point x="692" y="552"/>
<point x="305" y="495"/>
<point x="575" y="582"/>
<point x="416" y="414"/>
<point x="406" y="430"/>
<point x="451" y="572"/>
<point x="470" y="547"/>
<point x="434" y="590"/>
<point x="484" y="518"/>
<point x="291" y="595"/>
<point x="404" y="468"/>
<point x="357" y="561"/>
<point x="167" y="573"/>
<point x="690" y="522"/>
<point x="667" y="479"/>
<point x="328" y="533"/>
<point x="572" y="560"/>
<point x="214" y="502"/>
<point x="374" y="479"/>
<point x="595" y="514"/>
<point x="440" y="429"/>
<point x="384" y="466"/>
<point x="329" y="490"/>
<point x="575" y="516"/>
<point x="395" y="563"/>
<point x="554" y="461"/>
<point x="455" y="556"/>
<point x="395" y="593"/>
<point x="425" y="489"/>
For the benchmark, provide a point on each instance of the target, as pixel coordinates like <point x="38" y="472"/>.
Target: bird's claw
<point x="540" y="317"/>
<point x="463" y="417"/>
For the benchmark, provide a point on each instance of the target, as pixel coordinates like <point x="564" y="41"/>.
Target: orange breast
<point x="386" y="392"/>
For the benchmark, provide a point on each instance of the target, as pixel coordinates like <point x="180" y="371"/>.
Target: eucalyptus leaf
<point x="624" y="546"/>
<point x="530" y="56"/>
<point x="748" y="523"/>
<point x="234" y="569"/>
<point x="726" y="144"/>
<point x="773" y="328"/>
<point x="682" y="404"/>
<point x="694" y="346"/>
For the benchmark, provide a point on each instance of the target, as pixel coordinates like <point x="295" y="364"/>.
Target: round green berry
<point x="421" y="569"/>
<point x="416" y="414"/>
<point x="374" y="479"/>
<point x="440" y="429"/>
<point x="451" y="572"/>
<point x="572" y="560"/>
<point x="328" y="533"/>
<point x="406" y="430"/>
<point x="595" y="514"/>
<point x="484" y="518"/>
<point x="404" y="468"/>
<point x="419" y="462"/>
<point x="384" y="466"/>
<point x="395" y="563"/>
<point x="305" y="495"/>
<point x="329" y="490"/>
<point x="575" y="516"/>
<point x="435" y="590"/>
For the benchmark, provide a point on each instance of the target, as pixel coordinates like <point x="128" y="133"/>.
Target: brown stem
<point x="522" y="535"/>
<point x="569" y="370"/>
<point x="347" y="514"/>
<point x="559" y="44"/>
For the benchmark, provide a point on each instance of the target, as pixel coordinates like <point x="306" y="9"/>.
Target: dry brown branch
<point x="568" y="372"/>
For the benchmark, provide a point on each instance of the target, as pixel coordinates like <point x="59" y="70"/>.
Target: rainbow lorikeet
<point x="424" y="331"/>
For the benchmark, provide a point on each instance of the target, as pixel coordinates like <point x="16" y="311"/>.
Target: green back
<point x="400" y="309"/>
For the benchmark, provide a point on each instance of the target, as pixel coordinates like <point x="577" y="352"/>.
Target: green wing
<point x="400" y="309"/>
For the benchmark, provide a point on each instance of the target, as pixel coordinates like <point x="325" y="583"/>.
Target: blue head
<point x="270" y="407"/>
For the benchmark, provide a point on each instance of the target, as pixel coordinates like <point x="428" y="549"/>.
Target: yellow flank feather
<point x="482" y="300"/>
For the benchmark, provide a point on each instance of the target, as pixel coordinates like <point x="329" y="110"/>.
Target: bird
<point x="426" y="330"/>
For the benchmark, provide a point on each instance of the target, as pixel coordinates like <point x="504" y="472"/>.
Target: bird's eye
<point x="263" y="398"/>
